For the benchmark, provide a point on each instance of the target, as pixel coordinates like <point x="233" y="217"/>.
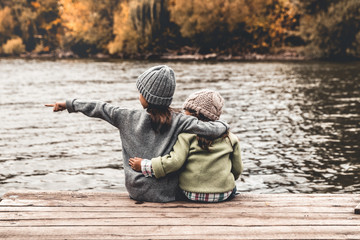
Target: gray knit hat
<point x="157" y="85"/>
<point x="207" y="102"/>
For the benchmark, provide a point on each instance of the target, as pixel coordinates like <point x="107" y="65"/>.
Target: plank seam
<point x="197" y="225"/>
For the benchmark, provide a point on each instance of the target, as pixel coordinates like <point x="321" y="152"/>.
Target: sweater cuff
<point x="146" y="168"/>
<point x="69" y="105"/>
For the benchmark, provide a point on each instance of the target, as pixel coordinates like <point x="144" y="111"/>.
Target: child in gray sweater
<point x="148" y="132"/>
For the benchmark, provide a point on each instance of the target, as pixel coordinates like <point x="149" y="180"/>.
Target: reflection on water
<point x="332" y="106"/>
<point x="298" y="123"/>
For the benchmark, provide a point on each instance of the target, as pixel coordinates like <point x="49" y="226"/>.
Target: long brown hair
<point x="204" y="142"/>
<point x="160" y="116"/>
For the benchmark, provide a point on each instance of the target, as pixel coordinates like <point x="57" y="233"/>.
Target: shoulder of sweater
<point x="177" y="115"/>
<point x="132" y="111"/>
<point x="181" y="116"/>
<point x="129" y="115"/>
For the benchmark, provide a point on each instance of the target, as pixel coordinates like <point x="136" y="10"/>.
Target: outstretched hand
<point x="135" y="163"/>
<point x="59" y="106"/>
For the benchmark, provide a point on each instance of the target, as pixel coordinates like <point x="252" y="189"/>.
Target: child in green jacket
<point x="209" y="168"/>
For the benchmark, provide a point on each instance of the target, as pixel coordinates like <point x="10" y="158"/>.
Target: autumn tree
<point x="332" y="31"/>
<point x="270" y="22"/>
<point x="252" y="25"/>
<point x="141" y="26"/>
<point x="126" y="37"/>
<point x="207" y="23"/>
<point x="47" y="24"/>
<point x="36" y="22"/>
<point x="87" y="24"/>
<point x="128" y="28"/>
<point x="7" y="24"/>
<point x="313" y="7"/>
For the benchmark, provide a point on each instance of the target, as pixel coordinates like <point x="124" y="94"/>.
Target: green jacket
<point x="213" y="171"/>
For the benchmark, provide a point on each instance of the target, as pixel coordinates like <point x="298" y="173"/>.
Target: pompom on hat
<point x="157" y="85"/>
<point x="207" y="102"/>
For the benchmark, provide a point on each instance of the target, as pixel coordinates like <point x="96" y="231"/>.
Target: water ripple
<point x="298" y="123"/>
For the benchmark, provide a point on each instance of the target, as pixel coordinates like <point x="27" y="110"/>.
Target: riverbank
<point x="220" y="57"/>
<point x="186" y="53"/>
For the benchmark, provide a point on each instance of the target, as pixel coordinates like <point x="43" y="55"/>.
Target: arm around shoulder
<point x="175" y="159"/>
<point x="212" y="129"/>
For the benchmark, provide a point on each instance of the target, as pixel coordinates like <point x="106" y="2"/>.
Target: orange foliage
<point x="35" y="4"/>
<point x="125" y="36"/>
<point x="139" y="25"/>
<point x="270" y="21"/>
<point x="6" y="22"/>
<point x="267" y="21"/>
<point x="77" y="19"/>
<point x="142" y="26"/>
<point x="13" y="46"/>
<point x="84" y="22"/>
<point x="198" y="16"/>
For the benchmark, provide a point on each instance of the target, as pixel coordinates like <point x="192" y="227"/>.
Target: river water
<point x="298" y="122"/>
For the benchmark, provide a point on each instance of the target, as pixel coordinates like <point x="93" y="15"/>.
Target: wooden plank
<point x="77" y="215"/>
<point x="273" y="198"/>
<point x="181" y="232"/>
<point x="357" y="209"/>
<point x="240" y="201"/>
<point x="162" y="209"/>
<point x="181" y="221"/>
<point x="215" y="209"/>
<point x="129" y="203"/>
<point x="67" y="195"/>
<point x="63" y="195"/>
<point x="80" y="214"/>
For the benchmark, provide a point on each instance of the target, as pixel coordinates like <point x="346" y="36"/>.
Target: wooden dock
<point x="82" y="215"/>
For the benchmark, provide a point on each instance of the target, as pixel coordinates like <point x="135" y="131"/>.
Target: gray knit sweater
<point x="140" y="140"/>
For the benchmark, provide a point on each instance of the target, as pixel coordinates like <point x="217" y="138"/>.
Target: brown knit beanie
<point x="207" y="102"/>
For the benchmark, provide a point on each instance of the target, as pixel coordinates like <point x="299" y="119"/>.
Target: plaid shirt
<point x="146" y="169"/>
